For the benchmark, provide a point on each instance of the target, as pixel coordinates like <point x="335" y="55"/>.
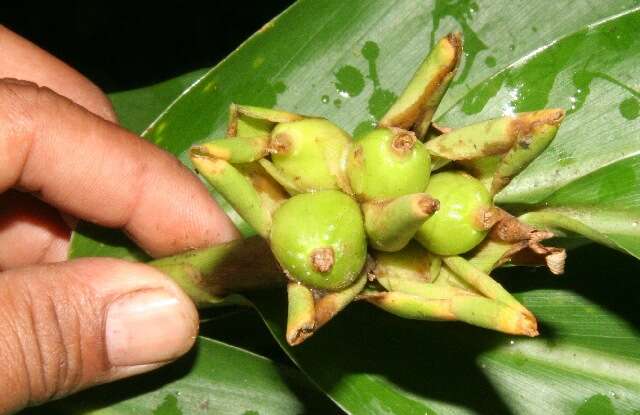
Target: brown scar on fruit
<point x="403" y="141"/>
<point x="280" y="144"/>
<point x="358" y="155"/>
<point x="322" y="259"/>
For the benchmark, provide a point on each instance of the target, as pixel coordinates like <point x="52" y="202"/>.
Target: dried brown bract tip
<point x="527" y="245"/>
<point x="427" y="205"/>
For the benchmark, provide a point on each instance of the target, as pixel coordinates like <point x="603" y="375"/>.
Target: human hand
<point x="66" y="326"/>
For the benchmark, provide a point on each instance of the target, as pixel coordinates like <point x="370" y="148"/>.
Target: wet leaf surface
<point x="347" y="61"/>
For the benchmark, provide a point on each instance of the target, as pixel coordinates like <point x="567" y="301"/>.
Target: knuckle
<point x="17" y="99"/>
<point x="21" y="103"/>
<point x="20" y="107"/>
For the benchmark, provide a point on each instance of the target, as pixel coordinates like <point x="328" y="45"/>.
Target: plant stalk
<point x="210" y="274"/>
<point x="392" y="223"/>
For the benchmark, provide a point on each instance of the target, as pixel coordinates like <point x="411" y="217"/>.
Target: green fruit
<point x="311" y="153"/>
<point x="319" y="239"/>
<point x="388" y="162"/>
<point x="455" y="228"/>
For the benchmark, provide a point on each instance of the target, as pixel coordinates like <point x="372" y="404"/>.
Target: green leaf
<point x="136" y="109"/>
<point x="591" y="172"/>
<point x="347" y="61"/>
<point x="214" y="378"/>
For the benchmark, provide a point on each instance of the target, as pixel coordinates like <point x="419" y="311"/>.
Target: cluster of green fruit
<point x="342" y="216"/>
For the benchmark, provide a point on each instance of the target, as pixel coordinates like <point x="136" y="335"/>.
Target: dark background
<point x="120" y="46"/>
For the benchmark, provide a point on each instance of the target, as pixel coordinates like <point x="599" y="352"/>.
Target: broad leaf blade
<point x="216" y="378"/>
<point x="138" y="108"/>
<point x="345" y="61"/>
<point x="591" y="171"/>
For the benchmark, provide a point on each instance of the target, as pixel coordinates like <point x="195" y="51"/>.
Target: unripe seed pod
<point x="457" y="226"/>
<point x="310" y="153"/>
<point x="386" y="163"/>
<point x="319" y="239"/>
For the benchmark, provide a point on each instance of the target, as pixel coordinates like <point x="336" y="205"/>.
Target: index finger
<point x="97" y="171"/>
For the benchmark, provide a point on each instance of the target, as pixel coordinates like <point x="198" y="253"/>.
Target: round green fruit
<point x="456" y="227"/>
<point x="319" y="239"/>
<point x="310" y="153"/>
<point x="386" y="163"/>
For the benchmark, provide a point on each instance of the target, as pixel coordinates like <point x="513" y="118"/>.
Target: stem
<point x="535" y="131"/>
<point x="246" y="120"/>
<point x="421" y="289"/>
<point x="235" y="149"/>
<point x="332" y="303"/>
<point x="494" y="137"/>
<point x="411" y="306"/>
<point x="416" y="105"/>
<point x="237" y="189"/>
<point x="391" y="224"/>
<point x="483" y="168"/>
<point x="489" y="255"/>
<point x="301" y="320"/>
<point x="490" y="314"/>
<point x="207" y="275"/>
<point x="284" y="180"/>
<point x="550" y="220"/>
<point x="482" y="282"/>
<point x="412" y="262"/>
<point x="424" y="301"/>
<point x="438" y="162"/>
<point x="434" y="267"/>
<point x="447" y="277"/>
<point x="271" y="192"/>
<point x="515" y="140"/>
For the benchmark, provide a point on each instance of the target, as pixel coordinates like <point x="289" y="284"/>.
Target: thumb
<point x="72" y="325"/>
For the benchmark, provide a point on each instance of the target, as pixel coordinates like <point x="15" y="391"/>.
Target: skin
<point x="63" y="158"/>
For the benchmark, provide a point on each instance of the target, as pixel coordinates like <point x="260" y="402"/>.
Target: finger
<point x="94" y="170"/>
<point x="72" y="325"/>
<point x="21" y="59"/>
<point x="31" y="232"/>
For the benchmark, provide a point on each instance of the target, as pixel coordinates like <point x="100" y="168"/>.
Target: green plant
<point x="585" y="182"/>
<point x="318" y="236"/>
